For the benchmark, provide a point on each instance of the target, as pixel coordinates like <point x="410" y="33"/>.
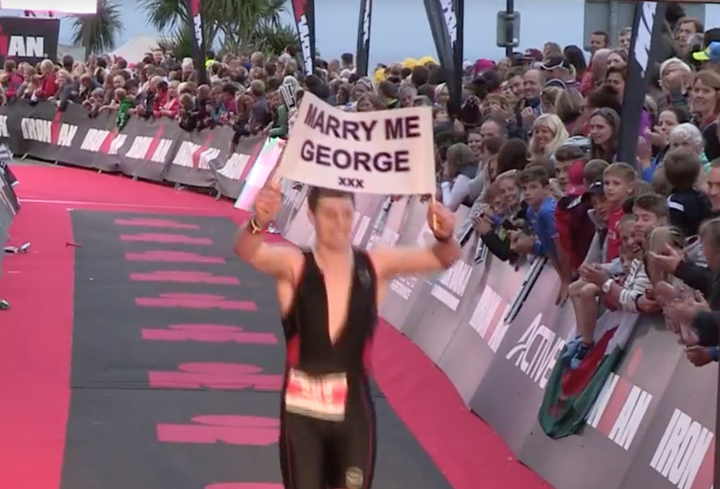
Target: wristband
<point x="254" y="227"/>
<point x="714" y="353"/>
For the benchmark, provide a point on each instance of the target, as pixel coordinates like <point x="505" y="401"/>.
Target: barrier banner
<point x="196" y="156"/>
<point x="153" y="149"/>
<point x="293" y="194"/>
<point x="526" y="349"/>
<point x="404" y="292"/>
<point x="482" y="324"/>
<point x="677" y="450"/>
<point x="261" y="170"/>
<point x="621" y="418"/>
<point x="388" y="222"/>
<point x="231" y="174"/>
<point x="7" y="194"/>
<point x="446" y="301"/>
<point x="7" y="212"/>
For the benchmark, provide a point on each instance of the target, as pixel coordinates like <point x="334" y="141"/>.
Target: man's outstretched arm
<point x="391" y="262"/>
<point x="275" y="260"/>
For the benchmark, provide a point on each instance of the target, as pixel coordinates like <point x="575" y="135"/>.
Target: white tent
<point x="136" y="48"/>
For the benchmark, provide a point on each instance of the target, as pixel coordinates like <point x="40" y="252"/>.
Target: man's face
<point x="713" y="186"/>
<point x="600" y="205"/>
<point x="624" y="40"/>
<point x="158" y="57"/>
<point x="531" y="84"/>
<point x="535" y="193"/>
<point x="616" y="189"/>
<point x="685" y="30"/>
<point x="644" y="221"/>
<point x="597" y="41"/>
<point x="333" y="222"/>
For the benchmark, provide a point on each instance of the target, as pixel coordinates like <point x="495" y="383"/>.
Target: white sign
<point x="387" y="152"/>
<point x="74" y="7"/>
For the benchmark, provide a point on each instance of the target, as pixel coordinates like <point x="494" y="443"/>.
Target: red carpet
<point x="35" y="339"/>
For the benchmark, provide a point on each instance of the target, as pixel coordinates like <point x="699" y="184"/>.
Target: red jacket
<point x="575" y="229"/>
<point x="48" y="86"/>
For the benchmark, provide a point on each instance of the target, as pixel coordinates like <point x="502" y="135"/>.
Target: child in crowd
<point x="688" y="206"/>
<point x="535" y="182"/>
<point x="569" y="168"/>
<point x="618" y="184"/>
<point x="649" y="210"/>
<point x="575" y="227"/>
<point x="618" y="292"/>
<point x="497" y="239"/>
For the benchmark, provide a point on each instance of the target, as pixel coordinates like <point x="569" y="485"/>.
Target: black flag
<point x="648" y="26"/>
<point x="304" y="15"/>
<point x="443" y="18"/>
<point x="362" y="53"/>
<point x="458" y="56"/>
<point x="198" y="38"/>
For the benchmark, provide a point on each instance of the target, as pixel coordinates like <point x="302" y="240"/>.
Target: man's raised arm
<point x="275" y="260"/>
<point x="391" y="262"/>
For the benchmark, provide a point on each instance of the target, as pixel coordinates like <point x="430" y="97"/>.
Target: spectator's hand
<point x="647" y="305"/>
<point x="656" y="138"/>
<point x="523" y="244"/>
<point x="528" y="116"/>
<point x="665" y="293"/>
<point x="132" y="111"/>
<point x="669" y="260"/>
<point x="482" y="224"/>
<point x="458" y="127"/>
<point x="140" y="110"/>
<point x="644" y="152"/>
<point x="701" y="302"/>
<point x="595" y="274"/>
<point x="698" y="355"/>
<point x="498" y="112"/>
<point x="563" y="294"/>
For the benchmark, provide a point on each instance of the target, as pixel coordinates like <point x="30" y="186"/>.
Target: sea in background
<point x="400" y="27"/>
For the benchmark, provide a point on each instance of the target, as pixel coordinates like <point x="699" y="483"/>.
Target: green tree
<point x="98" y="32"/>
<point x="240" y="23"/>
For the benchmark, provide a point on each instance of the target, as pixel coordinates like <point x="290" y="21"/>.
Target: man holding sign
<point x="329" y="300"/>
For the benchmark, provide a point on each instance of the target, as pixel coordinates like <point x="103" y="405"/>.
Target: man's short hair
<point x="682" y="168"/>
<point x="535" y="173"/>
<point x="593" y="171"/>
<point x="569" y="152"/>
<point x="316" y="193"/>
<point x="655" y="203"/>
<point x="622" y="171"/>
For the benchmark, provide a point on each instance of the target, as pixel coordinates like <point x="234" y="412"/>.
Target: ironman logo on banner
<point x="388" y="152"/>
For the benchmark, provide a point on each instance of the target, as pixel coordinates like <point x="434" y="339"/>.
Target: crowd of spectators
<point x="532" y="150"/>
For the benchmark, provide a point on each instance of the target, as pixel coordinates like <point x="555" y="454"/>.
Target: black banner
<point x="447" y="35"/>
<point x="154" y="149"/>
<point x="28" y="39"/>
<point x="304" y="15"/>
<point x="648" y="25"/>
<point x="197" y="27"/>
<point x="458" y="56"/>
<point x="362" y="52"/>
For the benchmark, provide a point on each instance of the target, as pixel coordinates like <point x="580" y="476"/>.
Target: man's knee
<point x="589" y="291"/>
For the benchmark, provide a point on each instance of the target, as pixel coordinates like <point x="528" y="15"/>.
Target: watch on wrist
<point x="254" y="227"/>
<point x="606" y="286"/>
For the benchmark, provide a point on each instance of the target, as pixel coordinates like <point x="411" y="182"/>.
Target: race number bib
<point x="317" y="397"/>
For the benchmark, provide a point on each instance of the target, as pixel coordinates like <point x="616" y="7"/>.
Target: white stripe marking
<point x="112" y="204"/>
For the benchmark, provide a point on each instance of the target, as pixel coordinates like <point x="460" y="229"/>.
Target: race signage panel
<point x="385" y="152"/>
<point x="28" y="39"/>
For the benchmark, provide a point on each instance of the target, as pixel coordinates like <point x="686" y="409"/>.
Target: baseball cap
<point x="554" y="63"/>
<point x="595" y="188"/>
<point x="532" y="55"/>
<point x="711" y="53"/>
